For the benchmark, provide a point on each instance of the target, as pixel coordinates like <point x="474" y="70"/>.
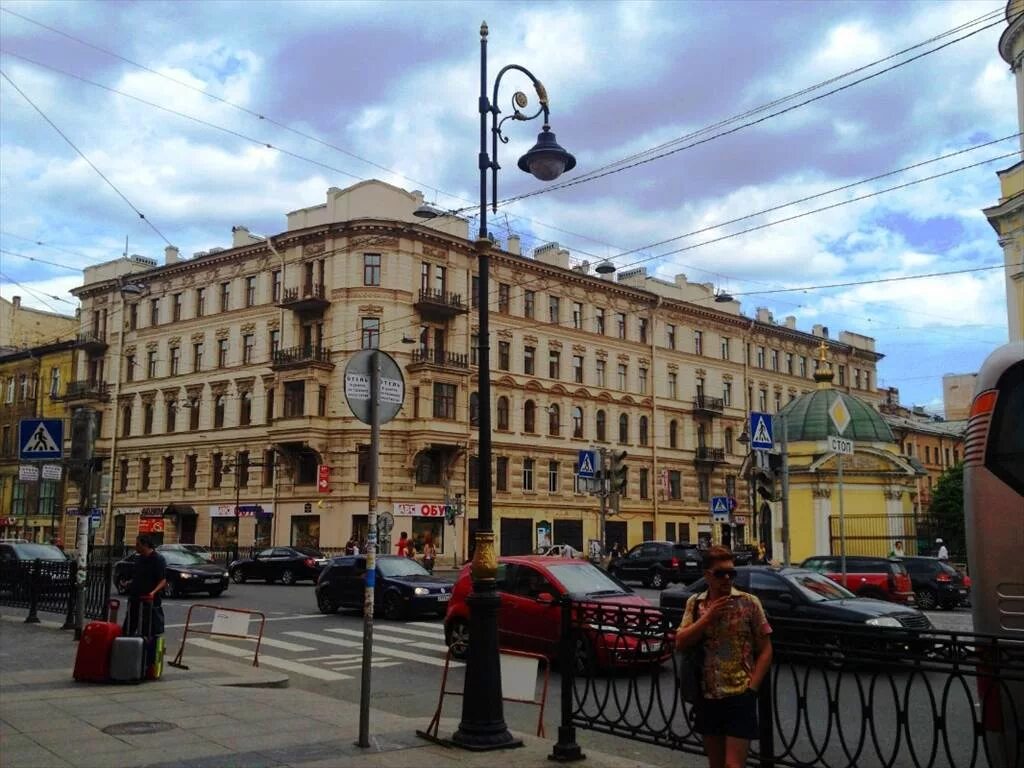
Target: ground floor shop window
<point x="263" y="526"/>
<point x="306" y="531"/>
<point x="223" y="532"/>
<point x="428" y="529"/>
<point x="119" y="530"/>
<point x="360" y="527"/>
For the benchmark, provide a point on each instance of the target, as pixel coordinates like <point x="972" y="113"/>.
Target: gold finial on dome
<point x="823" y="375"/>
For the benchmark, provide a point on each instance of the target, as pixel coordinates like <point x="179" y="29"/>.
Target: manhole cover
<point x="138" y="728"/>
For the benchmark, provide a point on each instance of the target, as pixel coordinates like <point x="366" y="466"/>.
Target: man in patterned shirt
<point x="734" y="631"/>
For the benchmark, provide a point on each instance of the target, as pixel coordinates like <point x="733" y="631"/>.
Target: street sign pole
<point x="785" y="489"/>
<point x="605" y="481"/>
<point x="842" y="522"/>
<point x="371" y="551"/>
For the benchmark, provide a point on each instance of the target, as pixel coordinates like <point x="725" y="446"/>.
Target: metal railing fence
<point x="839" y="696"/>
<point x="49" y="586"/>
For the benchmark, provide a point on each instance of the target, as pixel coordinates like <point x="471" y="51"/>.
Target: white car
<point x="567" y="551"/>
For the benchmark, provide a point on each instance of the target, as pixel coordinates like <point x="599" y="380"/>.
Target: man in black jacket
<point x="148" y="580"/>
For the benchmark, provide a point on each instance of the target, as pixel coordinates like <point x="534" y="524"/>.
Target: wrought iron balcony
<point x="91" y="341"/>
<point x="708" y="405"/>
<point x="705" y="455"/>
<point x="91" y="391"/>
<point x="311" y="297"/>
<point x="439" y="359"/>
<point x="440" y="304"/>
<point x="300" y="357"/>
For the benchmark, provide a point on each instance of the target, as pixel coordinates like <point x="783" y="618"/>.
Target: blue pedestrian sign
<point x="761" y="432"/>
<point x="587" y="464"/>
<point x="41" y="439"/>
<point x="720" y="505"/>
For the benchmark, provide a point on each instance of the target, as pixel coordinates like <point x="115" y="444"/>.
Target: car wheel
<point x="216" y="592"/>
<point x="392" y="606"/>
<point x="458" y="638"/>
<point x="926" y="599"/>
<point x="237" y="576"/>
<point x="582" y="655"/>
<point x="658" y="580"/>
<point x="288" y="577"/>
<point x="324" y="604"/>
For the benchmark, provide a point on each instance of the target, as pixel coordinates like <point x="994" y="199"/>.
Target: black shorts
<point x="734" y="716"/>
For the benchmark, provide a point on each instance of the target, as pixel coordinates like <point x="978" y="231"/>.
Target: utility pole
<point x="605" y="483"/>
<point x="371" y="552"/>
<point x="785" y="489"/>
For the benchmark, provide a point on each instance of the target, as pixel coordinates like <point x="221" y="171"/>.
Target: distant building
<point x="957" y="394"/>
<point x="24" y="327"/>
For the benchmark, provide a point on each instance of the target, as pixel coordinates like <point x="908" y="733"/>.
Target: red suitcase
<point x="92" y="661"/>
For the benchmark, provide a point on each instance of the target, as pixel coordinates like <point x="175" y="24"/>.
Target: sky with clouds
<point x="393" y="87"/>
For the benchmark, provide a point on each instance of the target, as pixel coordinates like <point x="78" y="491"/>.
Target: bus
<point x="994" y="517"/>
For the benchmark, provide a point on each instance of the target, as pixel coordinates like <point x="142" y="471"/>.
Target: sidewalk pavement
<point x="217" y="713"/>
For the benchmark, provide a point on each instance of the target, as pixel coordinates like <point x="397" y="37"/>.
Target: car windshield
<point x="817" y="587"/>
<point x="584" y="579"/>
<point x="39" y="552"/>
<point x="309" y="551"/>
<point x="180" y="557"/>
<point x="400" y="566"/>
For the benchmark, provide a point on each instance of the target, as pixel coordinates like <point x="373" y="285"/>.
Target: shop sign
<point x="739" y="519"/>
<point x="8" y="521"/>
<point x="75" y="512"/>
<point x="141" y="511"/>
<point x="151" y="525"/>
<point x="244" y="510"/>
<point x="422" y="509"/>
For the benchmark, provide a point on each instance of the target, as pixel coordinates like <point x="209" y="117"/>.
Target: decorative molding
<point x="726" y="377"/>
<point x="129" y="350"/>
<point x="194" y="390"/>
<point x="602" y="354"/>
<point x="222" y="333"/>
<point x="436" y="253"/>
<point x="643" y="361"/>
<point x="152" y="346"/>
<point x="579" y="349"/>
<point x="314" y="249"/>
<point x="248" y="327"/>
<point x="673" y="367"/>
<point x="526" y="339"/>
<point x="701" y="372"/>
<point x="504" y="333"/>
<point x="371" y="309"/>
<point x="148" y="397"/>
<point x="821" y="493"/>
<point x="245" y="385"/>
<point x="273" y="323"/>
<point x="218" y="388"/>
<point x="171" y="395"/>
<point x="554" y="344"/>
<point x="622" y="357"/>
<point x="893" y="494"/>
<point x="174" y="341"/>
<point x="198" y="338"/>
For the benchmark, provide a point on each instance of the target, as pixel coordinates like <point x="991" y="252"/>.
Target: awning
<point x="181" y="510"/>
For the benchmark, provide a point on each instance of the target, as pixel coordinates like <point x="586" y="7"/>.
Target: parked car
<point x="16" y="557"/>
<point x="403" y="587"/>
<point x="562" y="550"/>
<point x="659" y="563"/>
<point x="798" y="593"/>
<point x="883" y="578"/>
<point x="936" y="583"/>
<point x="288" y="565"/>
<point x="530" y="618"/>
<point x="186" y="574"/>
<point x="196" y="549"/>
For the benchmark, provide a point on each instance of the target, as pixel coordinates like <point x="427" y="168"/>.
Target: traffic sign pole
<point x="371" y="552"/>
<point x="785" y="490"/>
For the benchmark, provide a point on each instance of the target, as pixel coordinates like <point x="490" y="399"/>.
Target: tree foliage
<point x="946" y="512"/>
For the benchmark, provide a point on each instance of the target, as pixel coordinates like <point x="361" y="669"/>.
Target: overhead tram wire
<point x="5" y="233"/>
<point x="81" y="154"/>
<point x="39" y="295"/>
<point x="40" y="261"/>
<point x="996" y="13"/>
<point x="736" y="129"/>
<point x="758" y="227"/>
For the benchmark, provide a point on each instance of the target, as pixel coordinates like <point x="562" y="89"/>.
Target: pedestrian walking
<point x="941" y="552"/>
<point x="897" y="549"/>
<point x="734" y="632"/>
<point x="429" y="553"/>
<point x="405" y="547"/>
<point x="350" y="547"/>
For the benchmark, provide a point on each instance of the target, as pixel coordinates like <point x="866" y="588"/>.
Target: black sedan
<point x="936" y="583"/>
<point x="17" y="568"/>
<point x="403" y="587"/>
<point x="796" y="593"/>
<point x="289" y="565"/>
<point x="186" y="574"/>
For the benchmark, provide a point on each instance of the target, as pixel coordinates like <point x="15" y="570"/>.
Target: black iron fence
<point x="839" y="696"/>
<point x="49" y="586"/>
<point x="875" y="535"/>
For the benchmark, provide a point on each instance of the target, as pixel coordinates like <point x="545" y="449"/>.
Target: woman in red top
<point x="403" y="545"/>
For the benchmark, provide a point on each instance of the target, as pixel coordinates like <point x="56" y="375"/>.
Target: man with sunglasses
<point x="734" y="631"/>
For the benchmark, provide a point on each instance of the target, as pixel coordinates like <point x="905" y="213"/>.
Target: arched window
<point x="702" y="436"/>
<point x="502" y="413"/>
<point x="554" y="421"/>
<point x="643" y="430"/>
<point x="126" y="420"/>
<point x="529" y="417"/>
<point x="673" y="434"/>
<point x="623" y="428"/>
<point x="602" y="426"/>
<point x="245" y="409"/>
<point x="728" y="440"/>
<point x="474" y="409"/>
<point x="218" y="412"/>
<point x="577" y="421"/>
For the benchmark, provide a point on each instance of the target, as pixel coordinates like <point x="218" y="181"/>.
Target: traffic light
<point x="764" y="484"/>
<point x="617" y="479"/>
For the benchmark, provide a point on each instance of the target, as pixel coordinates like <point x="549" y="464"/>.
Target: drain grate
<point x="138" y="728"/>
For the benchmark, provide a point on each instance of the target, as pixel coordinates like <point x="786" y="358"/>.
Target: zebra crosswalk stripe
<point x="384" y="638"/>
<point x="397" y="653"/>
<point x="271" y="661"/>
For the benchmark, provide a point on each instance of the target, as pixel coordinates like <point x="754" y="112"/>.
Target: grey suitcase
<point x="128" y="660"/>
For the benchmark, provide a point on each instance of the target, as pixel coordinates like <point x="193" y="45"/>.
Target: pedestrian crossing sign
<point x="720" y="505"/>
<point x="587" y="464"/>
<point x="761" y="432"/>
<point x="41" y="439"/>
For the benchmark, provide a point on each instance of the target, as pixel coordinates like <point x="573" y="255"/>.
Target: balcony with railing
<point x="705" y="455"/>
<point x="440" y="305"/>
<point x="311" y="297"/>
<point x="302" y="357"/>
<point x="84" y="391"/>
<point x="91" y="341"/>
<point x="438" y="358"/>
<point x="708" y="406"/>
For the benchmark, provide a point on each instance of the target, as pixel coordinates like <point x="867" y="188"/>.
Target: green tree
<point x="946" y="513"/>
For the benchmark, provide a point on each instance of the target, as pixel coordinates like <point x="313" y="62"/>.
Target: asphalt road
<point x="323" y="654"/>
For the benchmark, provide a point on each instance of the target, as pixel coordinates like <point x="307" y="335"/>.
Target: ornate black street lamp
<point x="483" y="721"/>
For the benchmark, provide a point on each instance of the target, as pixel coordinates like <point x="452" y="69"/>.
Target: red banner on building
<point x="323" y="478"/>
<point x="151" y="525"/>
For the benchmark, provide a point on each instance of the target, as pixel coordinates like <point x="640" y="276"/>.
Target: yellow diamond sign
<point x="839" y="414"/>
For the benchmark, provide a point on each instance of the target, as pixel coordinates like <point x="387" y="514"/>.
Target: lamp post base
<point x="483" y="727"/>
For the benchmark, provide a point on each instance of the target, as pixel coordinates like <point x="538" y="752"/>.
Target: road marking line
<point x="284" y="645"/>
<point x="294" y="617"/>
<point x="390" y="639"/>
<point x="271" y="661"/>
<point x="427" y="624"/>
<point x="438" y="635"/>
<point x="395" y="652"/>
<point x="352" y="667"/>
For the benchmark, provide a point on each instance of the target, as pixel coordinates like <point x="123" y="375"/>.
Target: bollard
<point x="566" y="749"/>
<point x="33" y="592"/>
<point x="766" y="724"/>
<point x="69" y="619"/>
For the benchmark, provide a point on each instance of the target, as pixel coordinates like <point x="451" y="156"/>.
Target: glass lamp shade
<point x="546" y="160"/>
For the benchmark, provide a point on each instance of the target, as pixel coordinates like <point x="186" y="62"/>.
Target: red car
<point x="611" y="626"/>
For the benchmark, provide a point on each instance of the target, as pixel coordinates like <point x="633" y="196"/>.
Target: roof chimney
<point x="171" y="254"/>
<point x="16" y="301"/>
<point x="514" y="246"/>
<point x="240" y="236"/>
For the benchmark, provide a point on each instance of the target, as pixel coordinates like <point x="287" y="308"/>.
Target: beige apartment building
<point x="226" y="376"/>
<point x="23" y="327"/>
